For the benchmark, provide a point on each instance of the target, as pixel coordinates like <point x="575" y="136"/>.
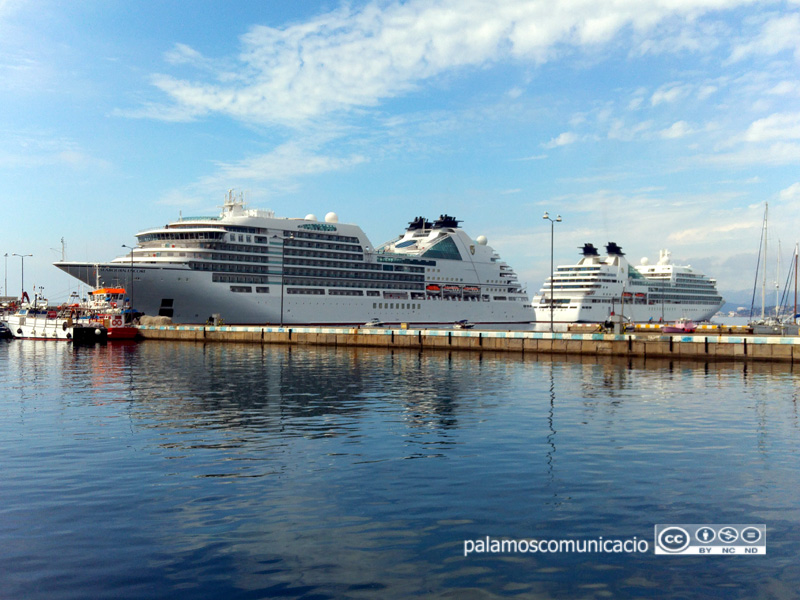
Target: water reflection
<point x="246" y="471"/>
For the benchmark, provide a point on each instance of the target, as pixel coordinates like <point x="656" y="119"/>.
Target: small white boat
<point x="374" y="323"/>
<point x="463" y="324"/>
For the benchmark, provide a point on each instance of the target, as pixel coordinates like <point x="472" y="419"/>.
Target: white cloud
<point x="31" y="151"/>
<point x="778" y="126"/>
<point x="777" y="35"/>
<point x="182" y="54"/>
<point x="708" y="230"/>
<point x="352" y="58"/>
<point x="779" y="153"/>
<point x="283" y="163"/>
<point x="619" y="130"/>
<point x="677" y="130"/>
<point x="564" y="139"/>
<point x="706" y="91"/>
<point x="785" y="88"/>
<point x="792" y="193"/>
<point x="669" y="93"/>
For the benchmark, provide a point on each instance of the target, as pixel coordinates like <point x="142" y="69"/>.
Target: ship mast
<point x="794" y="314"/>
<point x="764" y="279"/>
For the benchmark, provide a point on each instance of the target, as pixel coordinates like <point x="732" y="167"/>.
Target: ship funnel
<point x="445" y="221"/>
<point x="419" y="223"/>
<point x="613" y="250"/>
<point x="589" y="250"/>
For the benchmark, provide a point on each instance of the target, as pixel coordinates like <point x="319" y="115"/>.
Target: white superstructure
<point x="597" y="288"/>
<point x="249" y="266"/>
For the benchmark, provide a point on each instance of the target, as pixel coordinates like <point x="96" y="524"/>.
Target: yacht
<point x="602" y="288"/>
<point x="247" y="266"/>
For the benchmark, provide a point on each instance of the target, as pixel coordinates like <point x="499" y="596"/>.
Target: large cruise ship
<point x="250" y="267"/>
<point x="598" y="288"/>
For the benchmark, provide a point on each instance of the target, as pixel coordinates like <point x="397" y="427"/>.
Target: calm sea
<point x="165" y="470"/>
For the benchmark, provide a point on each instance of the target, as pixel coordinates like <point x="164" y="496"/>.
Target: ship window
<point x="445" y="249"/>
<point x="241" y="289"/>
<point x="262" y="290"/>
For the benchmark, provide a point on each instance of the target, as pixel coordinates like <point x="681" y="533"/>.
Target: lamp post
<point x="130" y="291"/>
<point x="552" y="225"/>
<point x="22" y="261"/>
<point x="5" y="278"/>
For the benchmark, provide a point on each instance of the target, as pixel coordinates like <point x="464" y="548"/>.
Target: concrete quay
<point x="698" y="346"/>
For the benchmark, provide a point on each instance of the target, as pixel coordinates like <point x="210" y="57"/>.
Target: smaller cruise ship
<point x="598" y="288"/>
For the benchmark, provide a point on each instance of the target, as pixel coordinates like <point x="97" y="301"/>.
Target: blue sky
<point x="660" y="124"/>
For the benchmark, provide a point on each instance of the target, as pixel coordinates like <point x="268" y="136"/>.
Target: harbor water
<point x="169" y="470"/>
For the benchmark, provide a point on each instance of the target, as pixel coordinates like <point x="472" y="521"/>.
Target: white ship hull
<point x="192" y="297"/>
<point x="598" y="313"/>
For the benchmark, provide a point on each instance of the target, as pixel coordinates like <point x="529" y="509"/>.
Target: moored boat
<point x="110" y="307"/>
<point x="598" y="287"/>
<point x="252" y="267"/>
<point x="32" y="322"/>
<point x="680" y="326"/>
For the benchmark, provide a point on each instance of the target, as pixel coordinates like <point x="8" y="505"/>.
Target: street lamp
<point x="5" y="278"/>
<point x="22" y="261"/>
<point x="552" y="224"/>
<point x="130" y="289"/>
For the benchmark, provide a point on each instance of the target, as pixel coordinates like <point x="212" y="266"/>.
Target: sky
<point x="660" y="124"/>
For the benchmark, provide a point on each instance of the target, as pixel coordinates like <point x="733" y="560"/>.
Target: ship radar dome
<point x="311" y="217"/>
<point x="331" y="217"/>
<point x="645" y="261"/>
<point x="481" y="239"/>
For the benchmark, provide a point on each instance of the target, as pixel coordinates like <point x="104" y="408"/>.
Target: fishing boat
<point x="41" y="322"/>
<point x="110" y="307"/>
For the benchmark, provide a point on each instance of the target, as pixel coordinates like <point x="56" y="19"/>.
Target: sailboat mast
<point x="777" y="283"/>
<point x="764" y="279"/>
<point x="794" y="314"/>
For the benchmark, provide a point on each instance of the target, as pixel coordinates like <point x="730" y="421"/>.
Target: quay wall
<point x="698" y="346"/>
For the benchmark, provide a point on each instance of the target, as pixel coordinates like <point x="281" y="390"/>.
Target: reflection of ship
<point x="249" y="266"/>
<point x="597" y="288"/>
